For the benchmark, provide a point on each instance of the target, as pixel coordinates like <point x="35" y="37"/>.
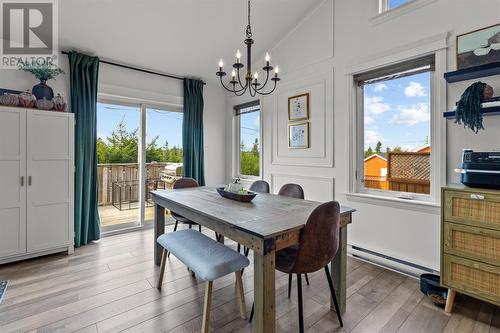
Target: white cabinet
<point x="36" y="183"/>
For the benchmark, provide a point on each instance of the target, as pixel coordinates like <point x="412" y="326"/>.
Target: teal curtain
<point x="83" y="84"/>
<point x="192" y="131"/>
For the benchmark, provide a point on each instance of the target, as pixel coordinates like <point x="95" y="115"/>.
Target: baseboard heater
<point x="395" y="264"/>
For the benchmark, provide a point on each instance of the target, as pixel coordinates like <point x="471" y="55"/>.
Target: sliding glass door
<point x="139" y="149"/>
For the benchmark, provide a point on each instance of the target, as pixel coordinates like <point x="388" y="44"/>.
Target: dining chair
<point x="318" y="245"/>
<point x="294" y="191"/>
<point x="260" y="186"/>
<point x="184" y="183"/>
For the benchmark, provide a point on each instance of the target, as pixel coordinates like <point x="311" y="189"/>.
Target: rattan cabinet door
<point x="471" y="277"/>
<point x="472" y="242"/>
<point x="479" y="208"/>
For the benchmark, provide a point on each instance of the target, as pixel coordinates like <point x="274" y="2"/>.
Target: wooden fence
<point x="107" y="174"/>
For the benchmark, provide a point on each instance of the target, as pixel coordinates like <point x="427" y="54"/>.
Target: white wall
<point x="127" y="83"/>
<point x="315" y="57"/>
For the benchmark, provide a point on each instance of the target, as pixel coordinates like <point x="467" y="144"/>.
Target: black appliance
<point x="480" y="169"/>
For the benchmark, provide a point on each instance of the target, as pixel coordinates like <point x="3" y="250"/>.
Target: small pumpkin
<point x="9" y="99"/>
<point x="59" y="103"/>
<point x="27" y="99"/>
<point x="44" y="104"/>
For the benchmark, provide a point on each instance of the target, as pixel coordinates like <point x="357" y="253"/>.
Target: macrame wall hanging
<point x="469" y="111"/>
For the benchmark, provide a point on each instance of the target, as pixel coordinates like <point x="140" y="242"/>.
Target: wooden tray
<point x="237" y="197"/>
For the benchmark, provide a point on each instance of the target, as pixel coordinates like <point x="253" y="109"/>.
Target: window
<point x="386" y="5"/>
<point x="139" y="149"/>
<point x="394" y="107"/>
<point x="249" y="138"/>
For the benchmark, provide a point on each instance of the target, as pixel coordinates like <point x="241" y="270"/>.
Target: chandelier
<point x="251" y="81"/>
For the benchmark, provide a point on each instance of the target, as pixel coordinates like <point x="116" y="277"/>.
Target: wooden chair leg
<point x="301" y="307"/>
<point x="289" y="284"/>
<point x="190" y="225"/>
<point x="175" y="227"/>
<point x="239" y="248"/>
<point x="199" y="227"/>
<point x="307" y="279"/>
<point x="206" y="308"/>
<point x="162" y="269"/>
<point x="450" y="300"/>
<point x="241" y="295"/>
<point x="334" y="296"/>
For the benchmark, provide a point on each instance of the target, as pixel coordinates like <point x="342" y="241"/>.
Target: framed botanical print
<point x="298" y="107"/>
<point x="298" y="135"/>
<point x="479" y="47"/>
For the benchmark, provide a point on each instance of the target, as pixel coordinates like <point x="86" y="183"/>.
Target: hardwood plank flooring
<point x="109" y="287"/>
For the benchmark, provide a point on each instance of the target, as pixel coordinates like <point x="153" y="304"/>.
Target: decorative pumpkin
<point x="59" y="103"/>
<point x="9" y="99"/>
<point x="27" y="99"/>
<point x="44" y="104"/>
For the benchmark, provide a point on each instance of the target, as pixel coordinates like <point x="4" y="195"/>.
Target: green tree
<point x="250" y="160"/>
<point x="378" y="148"/>
<point x="122" y="147"/>
<point x="369" y="152"/>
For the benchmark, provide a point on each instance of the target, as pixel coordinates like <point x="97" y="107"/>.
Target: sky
<point x="397" y="112"/>
<point x="167" y="125"/>
<point x="396" y="3"/>
<point x="250" y="124"/>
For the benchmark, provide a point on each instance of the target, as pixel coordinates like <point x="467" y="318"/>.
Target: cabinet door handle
<point x="22" y="181"/>
<point x="477" y="196"/>
<point x="29" y="180"/>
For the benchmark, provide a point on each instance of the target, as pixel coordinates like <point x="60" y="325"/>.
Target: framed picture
<point x="479" y="47"/>
<point x="298" y="135"/>
<point x="298" y="107"/>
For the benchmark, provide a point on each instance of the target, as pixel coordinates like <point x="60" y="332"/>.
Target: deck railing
<point x="107" y="174"/>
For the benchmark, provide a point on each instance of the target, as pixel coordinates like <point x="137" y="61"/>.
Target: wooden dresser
<point x="470" y="246"/>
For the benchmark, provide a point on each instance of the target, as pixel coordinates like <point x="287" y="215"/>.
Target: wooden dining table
<point x="267" y="224"/>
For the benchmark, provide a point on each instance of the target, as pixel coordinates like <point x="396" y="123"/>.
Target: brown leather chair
<point x="318" y="245"/>
<point x="292" y="190"/>
<point x="184" y="183"/>
<point x="260" y="186"/>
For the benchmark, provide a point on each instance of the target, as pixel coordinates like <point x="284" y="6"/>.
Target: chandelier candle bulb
<point x="268" y="59"/>
<point x="221" y="65"/>
<point x="238" y="56"/>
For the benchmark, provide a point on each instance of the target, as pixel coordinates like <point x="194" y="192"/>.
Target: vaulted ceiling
<point x="184" y="37"/>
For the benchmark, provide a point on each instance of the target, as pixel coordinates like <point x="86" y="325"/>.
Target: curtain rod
<point x="112" y="63"/>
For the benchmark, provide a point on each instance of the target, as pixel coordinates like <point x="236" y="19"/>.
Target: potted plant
<point x="43" y="73"/>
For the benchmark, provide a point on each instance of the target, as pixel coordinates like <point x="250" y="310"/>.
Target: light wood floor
<point x="108" y="287"/>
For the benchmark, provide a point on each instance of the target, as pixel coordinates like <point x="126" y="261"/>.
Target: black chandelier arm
<point x="239" y="79"/>
<point x="269" y="92"/>
<point x="243" y="92"/>
<point x="267" y="80"/>
<point x="223" y="85"/>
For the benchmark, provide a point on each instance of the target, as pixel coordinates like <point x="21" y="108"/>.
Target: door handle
<point x="29" y="180"/>
<point x="22" y="181"/>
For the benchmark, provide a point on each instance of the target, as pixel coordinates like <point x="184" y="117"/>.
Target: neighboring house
<point x="422" y="149"/>
<point x="376" y="171"/>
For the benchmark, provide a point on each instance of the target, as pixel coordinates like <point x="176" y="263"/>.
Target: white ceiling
<point x="184" y="37"/>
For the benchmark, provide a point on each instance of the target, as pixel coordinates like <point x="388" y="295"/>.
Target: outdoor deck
<point x="110" y="215"/>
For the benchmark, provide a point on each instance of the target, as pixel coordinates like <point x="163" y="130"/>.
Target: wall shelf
<point x="473" y="73"/>
<point x="486" y="112"/>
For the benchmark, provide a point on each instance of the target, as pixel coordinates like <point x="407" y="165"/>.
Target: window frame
<point x="436" y="45"/>
<point x="237" y="141"/>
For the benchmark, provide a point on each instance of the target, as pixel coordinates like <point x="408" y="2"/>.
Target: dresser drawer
<point x="472" y="242"/>
<point x="470" y="277"/>
<point x="472" y="208"/>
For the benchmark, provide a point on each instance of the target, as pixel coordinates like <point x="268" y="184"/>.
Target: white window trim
<point x="438" y="125"/>
<point x="236" y="149"/>
<point x="382" y="14"/>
